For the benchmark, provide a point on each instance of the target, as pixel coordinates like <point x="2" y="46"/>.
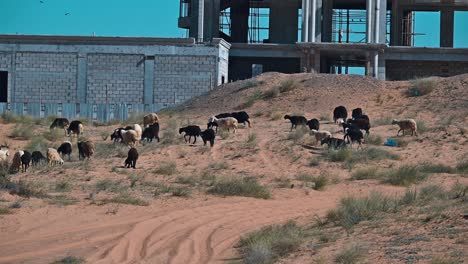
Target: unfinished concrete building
<point x="328" y="36"/>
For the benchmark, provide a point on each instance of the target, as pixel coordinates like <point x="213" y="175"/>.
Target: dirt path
<point x="200" y="234"/>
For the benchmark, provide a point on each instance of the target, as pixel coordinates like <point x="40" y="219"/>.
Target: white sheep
<point x="150" y="119"/>
<point x="53" y="157"/>
<point x="137" y="129"/>
<point x="406" y="124"/>
<point x="129" y="137"/>
<point x="4" y="154"/>
<point x="227" y="122"/>
<point x="320" y="134"/>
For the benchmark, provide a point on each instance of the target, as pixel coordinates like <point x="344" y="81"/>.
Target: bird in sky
<point x="67" y="14"/>
<point x="41" y="2"/>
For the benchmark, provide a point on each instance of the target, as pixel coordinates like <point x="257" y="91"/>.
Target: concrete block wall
<point x="407" y="70"/>
<point x="123" y="74"/>
<point x="45" y="77"/>
<point x="179" y="78"/>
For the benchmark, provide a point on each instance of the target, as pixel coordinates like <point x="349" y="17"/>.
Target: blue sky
<point x="157" y="18"/>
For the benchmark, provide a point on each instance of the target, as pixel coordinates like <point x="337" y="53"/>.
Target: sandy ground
<point x="205" y="228"/>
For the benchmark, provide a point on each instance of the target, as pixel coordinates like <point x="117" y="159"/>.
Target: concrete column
<point x="81" y="76"/>
<point x="395" y="28"/>
<point x="318" y="21"/>
<point x="382" y="38"/>
<point x="327" y="21"/>
<point x="313" y="20"/>
<point x="369" y="20"/>
<point x="148" y="86"/>
<point x="305" y="20"/>
<point x="316" y="63"/>
<point x="446" y="28"/>
<point x="240" y="20"/>
<point x="201" y="19"/>
<point x="381" y="67"/>
<point x="211" y="20"/>
<point x="283" y="22"/>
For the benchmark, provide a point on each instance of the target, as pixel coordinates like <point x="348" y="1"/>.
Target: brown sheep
<point x="150" y="119"/>
<point x="406" y="124"/>
<point x="85" y="149"/>
<point x="16" y="162"/>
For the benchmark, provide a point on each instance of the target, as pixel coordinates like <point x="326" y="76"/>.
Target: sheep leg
<point x="195" y="141"/>
<point x="248" y="123"/>
<point x="211" y="142"/>
<point x="134" y="164"/>
<point x="399" y="132"/>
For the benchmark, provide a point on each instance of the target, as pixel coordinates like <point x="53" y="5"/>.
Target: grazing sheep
<point x="359" y="123"/>
<point x="223" y="115"/>
<point x="208" y="135"/>
<point x="296" y="120"/>
<point x="242" y="117"/>
<point x="132" y="158"/>
<point x="116" y="136"/>
<point x="16" y="162"/>
<point x="321" y="134"/>
<point x="85" y="149"/>
<point x="228" y="122"/>
<point x="25" y="161"/>
<point x="150" y="119"/>
<point x="334" y="143"/>
<point x="65" y="149"/>
<point x="4" y="154"/>
<point x="37" y="157"/>
<point x="61" y="123"/>
<point x="313" y="124"/>
<point x="340" y="112"/>
<point x="75" y="127"/>
<point x="191" y="131"/>
<point x="151" y="132"/>
<point x="356" y="113"/>
<point x="354" y="135"/>
<point x="406" y="124"/>
<point x="129" y="137"/>
<point x="53" y="158"/>
<point x="137" y="129"/>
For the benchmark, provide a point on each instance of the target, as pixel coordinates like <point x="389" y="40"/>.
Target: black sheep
<point x="60" y="123"/>
<point x="334" y="143"/>
<point x="356" y="113"/>
<point x="360" y="123"/>
<point x="65" y="149"/>
<point x="340" y="112"/>
<point x="132" y="158"/>
<point x="116" y="136"/>
<point x="353" y="135"/>
<point x="151" y="132"/>
<point x="241" y="117"/>
<point x="25" y="160"/>
<point x="296" y="120"/>
<point x="75" y="127"/>
<point x="208" y="135"/>
<point x="313" y="124"/>
<point x="211" y="125"/>
<point x="37" y="157"/>
<point x="223" y="115"/>
<point x="191" y="131"/>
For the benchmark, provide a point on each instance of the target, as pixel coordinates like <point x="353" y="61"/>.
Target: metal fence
<point x="99" y="112"/>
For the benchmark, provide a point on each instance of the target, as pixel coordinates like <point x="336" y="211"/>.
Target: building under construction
<point x="328" y="36"/>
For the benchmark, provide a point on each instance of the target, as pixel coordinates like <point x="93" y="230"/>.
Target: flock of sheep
<point x="131" y="135"/>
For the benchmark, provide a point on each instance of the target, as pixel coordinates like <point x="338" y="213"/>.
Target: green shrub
<point x="435" y="168"/>
<point x="374" y="140"/>
<point x="339" y="155"/>
<point x="320" y="182"/>
<point x="365" y="173"/>
<point x="352" y="210"/>
<point x="170" y="134"/>
<point x="422" y="128"/>
<point x="314" y="162"/>
<point x="70" y="260"/>
<point x="444" y="260"/>
<point x="350" y="255"/>
<point x="54" y="135"/>
<point x="298" y="134"/>
<point x="270" y="243"/>
<point x="409" y="197"/>
<point x="62" y="200"/>
<point x="252" y="99"/>
<point x="190" y="180"/>
<point x="180" y="191"/>
<point x="287" y="85"/>
<point x="4" y="210"/>
<point x="386" y="120"/>
<point x="403" y="176"/>
<point x="110" y="186"/>
<point x="28" y="189"/>
<point x="22" y="131"/>
<point x="125" y="198"/>
<point x="324" y="117"/>
<point x="272" y="93"/>
<point x="462" y="167"/>
<point x="251" y="142"/>
<point x="420" y="87"/>
<point x="276" y="115"/>
<point x="63" y="186"/>
<point x="167" y="168"/>
<point x="240" y="187"/>
<point x="37" y="143"/>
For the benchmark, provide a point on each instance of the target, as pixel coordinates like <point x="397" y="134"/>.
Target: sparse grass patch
<point x="16" y="205"/>
<point x="270" y="243"/>
<point x="37" y="143"/>
<point x="314" y="162"/>
<point x="320" y="182"/>
<point x="276" y="116"/>
<point x="352" y="210"/>
<point x="224" y="133"/>
<point x="54" y="135"/>
<point x="462" y="167"/>
<point x="170" y="134"/>
<point x="271" y="93"/>
<point x="251" y="141"/>
<point x="401" y="142"/>
<point x="250" y="84"/>
<point x="420" y="87"/>
<point x="104" y="150"/>
<point x="180" y="191"/>
<point x="189" y="180"/>
<point x="287" y="85"/>
<point x="63" y="186"/>
<point x="403" y="176"/>
<point x="283" y="182"/>
<point x="365" y="173"/>
<point x="298" y="134"/>
<point x="28" y="189"/>
<point x="133" y="180"/>
<point x="4" y="210"/>
<point x="70" y="260"/>
<point x="374" y="140"/>
<point x="248" y="187"/>
<point x="382" y="121"/>
<point x="216" y="166"/>
<point x="422" y="128"/>
<point x="21" y="131"/>
<point x="126" y="198"/>
<point x="365" y="156"/>
<point x="339" y="155"/>
<point x="62" y="200"/>
<point x="110" y="186"/>
<point x="435" y="168"/>
<point x="252" y="99"/>
<point x="167" y="168"/>
<point x="324" y="117"/>
<point x="350" y="255"/>
<point x="444" y="260"/>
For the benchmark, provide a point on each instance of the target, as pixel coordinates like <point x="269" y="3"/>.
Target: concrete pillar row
<point x="305" y="20"/>
<point x="447" y="23"/>
<point x="369" y="20"/>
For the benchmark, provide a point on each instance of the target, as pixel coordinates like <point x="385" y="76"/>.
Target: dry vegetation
<point x="377" y="204"/>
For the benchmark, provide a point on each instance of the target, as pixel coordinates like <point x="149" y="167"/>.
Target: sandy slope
<point x="205" y="228"/>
